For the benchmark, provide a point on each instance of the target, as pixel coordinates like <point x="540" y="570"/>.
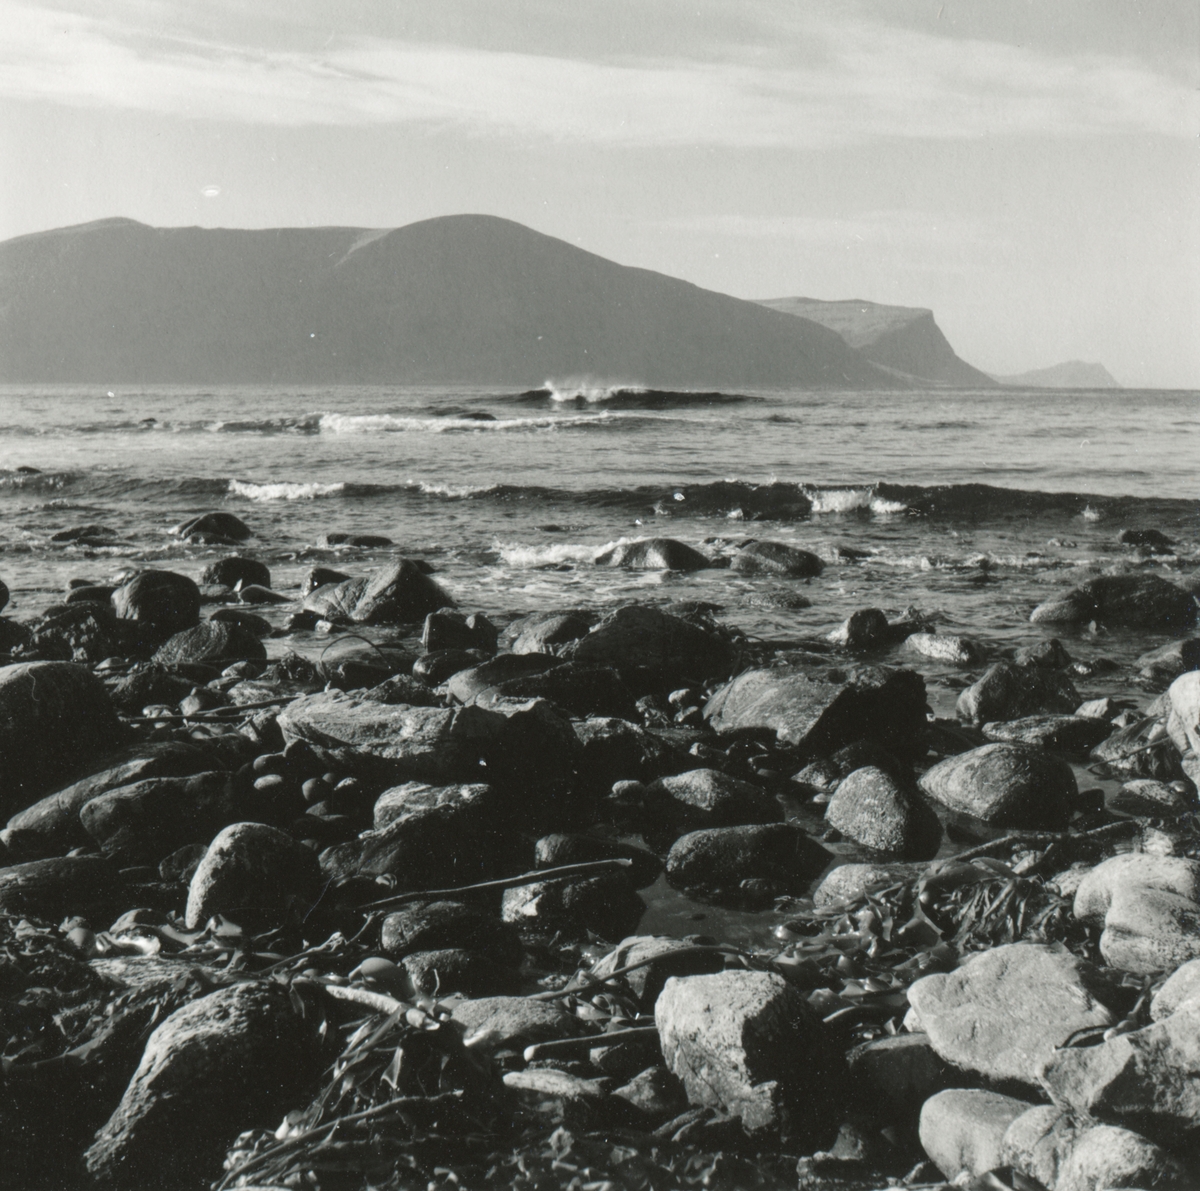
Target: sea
<point x="967" y="507"/>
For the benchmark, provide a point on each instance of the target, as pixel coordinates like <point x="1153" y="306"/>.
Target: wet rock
<point x="446" y="629"/>
<point x="876" y="703"/>
<point x="1181" y="986"/>
<point x="962" y="1129"/>
<point x="645" y="645"/>
<point x="51" y="826"/>
<point x="545" y="632"/>
<point x="233" y="569"/>
<point x="848" y="882"/>
<point x="944" y="647"/>
<point x="567" y="848"/>
<point x="442" y="925"/>
<point x="1045" y="655"/>
<point x="50" y="889"/>
<point x="1128" y="752"/>
<point x="1146" y="797"/>
<point x="873" y="809"/>
<point x="613" y="750"/>
<point x="607" y="905"/>
<point x="403" y="688"/>
<point x="13" y="636"/>
<point x="1005" y="785"/>
<point x="320" y="577"/>
<point x="863" y="630"/>
<point x="1008" y="691"/>
<point x="776" y="558"/>
<point x="149" y="683"/>
<point x="723" y="857"/>
<point x="1003" y="1012"/>
<point x="1147" y="1080"/>
<point x="465" y="685"/>
<point x="1153" y="541"/>
<point x="93" y="593"/>
<point x="3" y="594"/>
<point x="529" y="742"/>
<point x="400" y="593"/>
<point x="159" y="604"/>
<point x="143" y="822"/>
<point x="1140" y="600"/>
<point x="252" y="866"/>
<point x="350" y="664"/>
<point x="364" y="541"/>
<point x="707" y="798"/>
<point x="212" y="643"/>
<point x="577" y="690"/>
<point x="83" y="632"/>
<point x="747" y="1043"/>
<point x="435" y="668"/>
<point x="181" y="865"/>
<point x="214" y="528"/>
<point x="662" y="957"/>
<point x="901" y="1071"/>
<point x="1062" y="733"/>
<point x="232" y="1060"/>
<point x="654" y="554"/>
<point x="513" y="1023"/>
<point x="1166" y="663"/>
<point x="1149" y="907"/>
<point x="54" y="718"/>
<point x="251" y="622"/>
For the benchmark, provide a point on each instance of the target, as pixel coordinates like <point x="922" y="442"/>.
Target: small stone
<point x="962" y="1129"/>
<point x="873" y="809"/>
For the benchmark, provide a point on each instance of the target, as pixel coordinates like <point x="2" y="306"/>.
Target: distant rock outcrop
<point x="903" y="339"/>
<point x="1074" y="374"/>
<point x="457" y="299"/>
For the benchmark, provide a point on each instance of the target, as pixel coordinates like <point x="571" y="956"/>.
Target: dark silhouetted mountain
<point x="458" y="299"/>
<point x="903" y="339"/>
<point x="1074" y="374"/>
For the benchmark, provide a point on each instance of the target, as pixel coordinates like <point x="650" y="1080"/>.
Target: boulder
<point x="1167" y="662"/>
<point x="1139" y="600"/>
<point x="578" y="690"/>
<point x="1150" y="908"/>
<point x="654" y="554"/>
<point x="211" y="643"/>
<point x="351" y="664"/>
<point x="562" y="848"/>
<point x="962" y="1129"/>
<point x="544" y="632"/>
<point x="85" y="632"/>
<point x="400" y="593"/>
<point x="51" y="889"/>
<point x="147" y="820"/>
<point x="244" y="619"/>
<point x="848" y="882"/>
<point x="253" y="866"/>
<point x="447" y="629"/>
<point x="723" y="857"/>
<point x="235" y="1059"/>
<point x="457" y="970"/>
<point x="899" y="1073"/>
<point x="707" y="798"/>
<point x="398" y="802"/>
<point x="1050" y="654"/>
<point x="510" y="741"/>
<point x="1005" y="785"/>
<point x="1108" y="1156"/>
<point x="320" y="577"/>
<point x="607" y="905"/>
<point x="214" y="528"/>
<point x="1003" y="1012"/>
<point x="513" y="1023"/>
<point x="149" y="684"/>
<point x="876" y="811"/>
<point x="363" y="541"/>
<point x="1181" y="986"/>
<point x="51" y="827"/>
<point x="54" y="718"/>
<point x="1039" y="1142"/>
<point x="1151" y="799"/>
<point x="747" y="1043"/>
<point x="613" y="749"/>
<point x="661" y="957"/>
<point x="776" y="558"/>
<point x="1147" y="1080"/>
<point x="944" y="647"/>
<point x="876" y="703"/>
<point x="465" y="685"/>
<point x="1008" y="691"/>
<point x="159" y="603"/>
<point x="645" y="644"/>
<point x="862" y="631"/>
<point x="1075" y="734"/>
<point x="233" y="569"/>
<point x="440" y="925"/>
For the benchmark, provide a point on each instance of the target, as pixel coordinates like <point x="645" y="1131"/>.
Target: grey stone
<point x="1108" y="1156"/>
<point x="1039" y="1142"/>
<point x="873" y="809"/>
<point x="439" y="925"/>
<point x="451" y="970"/>
<point x="1181" y="986"/>
<point x="1002" y="1012"/>
<point x="662" y="957"/>
<point x="1005" y="785"/>
<point x="160" y="603"/>
<point x="963" y="1129"/>
<point x="416" y="797"/>
<point x="848" y="882"/>
<point x="1061" y="733"/>
<point x="864" y="629"/>
<point x="1146" y="797"/>
<point x="1140" y="600"/>
<point x="776" y="558"/>
<point x="901" y="1071"/>
<point x="606" y="905"/>
<point x="545" y="632"/>
<point x="466" y="684"/>
<point x="944" y="647"/>
<point x="217" y="525"/>
<point x="654" y="554"/>
<point x="50" y="889"/>
<point x="723" y="857"/>
<point x="252" y="865"/>
<point x="212" y="643"/>
<point x="399" y="593"/>
<point x="494" y="1023"/>
<point x="1008" y="691"/>
<point x="233" y="569"/>
<point x="709" y="798"/>
<point x="561" y="848"/>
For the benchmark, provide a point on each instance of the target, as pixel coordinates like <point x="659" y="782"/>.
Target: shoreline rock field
<point x="352" y="886"/>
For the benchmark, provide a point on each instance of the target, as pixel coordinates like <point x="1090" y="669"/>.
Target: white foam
<point x="848" y="500"/>
<point x="1090" y="514"/>
<point x="284" y="491"/>
<point x="517" y="554"/>
<point x="587" y="390"/>
<point x="396" y="424"/>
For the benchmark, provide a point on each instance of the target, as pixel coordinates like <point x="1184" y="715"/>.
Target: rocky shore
<point x="345" y="887"/>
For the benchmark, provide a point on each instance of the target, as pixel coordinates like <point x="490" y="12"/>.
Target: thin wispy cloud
<point x="829" y="82"/>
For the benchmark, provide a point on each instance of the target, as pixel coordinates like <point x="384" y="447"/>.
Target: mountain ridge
<point x="1071" y="374"/>
<point x="454" y="299"/>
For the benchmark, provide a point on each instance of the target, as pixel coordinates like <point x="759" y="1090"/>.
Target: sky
<point x="1027" y="169"/>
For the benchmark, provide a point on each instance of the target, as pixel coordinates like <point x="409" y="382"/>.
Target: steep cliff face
<point x="1074" y="374"/>
<point x="458" y="299"/>
<point x="905" y="339"/>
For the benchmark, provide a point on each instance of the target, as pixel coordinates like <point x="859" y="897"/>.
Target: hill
<point x="469" y="299"/>
<point x="1074" y="374"/>
<point x="903" y="339"/>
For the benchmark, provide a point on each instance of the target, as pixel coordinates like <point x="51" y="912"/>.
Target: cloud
<point x="828" y="81"/>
